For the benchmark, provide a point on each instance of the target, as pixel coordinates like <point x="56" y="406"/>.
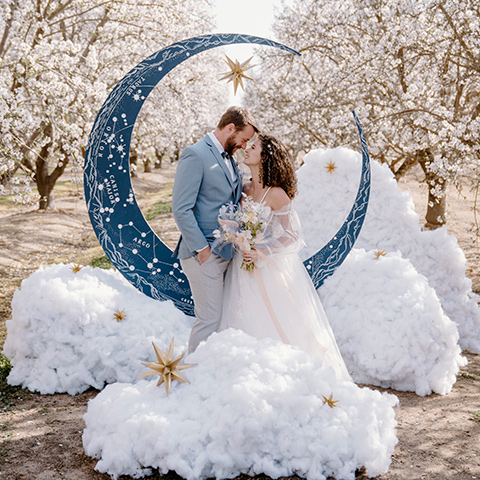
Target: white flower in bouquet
<point x="244" y="227"/>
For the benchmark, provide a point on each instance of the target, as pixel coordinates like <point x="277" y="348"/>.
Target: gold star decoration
<point x="120" y="315"/>
<point x="329" y="401"/>
<point x="237" y="72"/>
<point x="330" y="167"/>
<point x="167" y="367"/>
<point x="75" y="268"/>
<point x="379" y="253"/>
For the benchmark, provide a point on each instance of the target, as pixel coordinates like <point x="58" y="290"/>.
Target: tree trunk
<point x="133" y="164"/>
<point x="437" y="192"/>
<point x="407" y="164"/>
<point x="44" y="187"/>
<point x="42" y="179"/>
<point x="46" y="199"/>
<point x="147" y="165"/>
<point x="45" y="181"/>
<point x="158" y="158"/>
<point x="176" y="155"/>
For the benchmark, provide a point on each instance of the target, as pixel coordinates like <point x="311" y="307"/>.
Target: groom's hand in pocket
<point x="203" y="255"/>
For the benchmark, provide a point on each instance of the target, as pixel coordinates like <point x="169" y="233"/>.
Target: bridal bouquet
<point x="244" y="227"/>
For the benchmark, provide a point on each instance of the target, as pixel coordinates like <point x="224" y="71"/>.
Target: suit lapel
<point x="239" y="187"/>
<point x="221" y="161"/>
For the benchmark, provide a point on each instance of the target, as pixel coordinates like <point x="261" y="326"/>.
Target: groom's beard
<point x="230" y="145"/>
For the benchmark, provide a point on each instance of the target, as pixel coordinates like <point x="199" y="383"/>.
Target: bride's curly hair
<point x="276" y="165"/>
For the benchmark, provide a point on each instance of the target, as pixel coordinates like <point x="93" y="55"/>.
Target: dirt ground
<point x="439" y="436"/>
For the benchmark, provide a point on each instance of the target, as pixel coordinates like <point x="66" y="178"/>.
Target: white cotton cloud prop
<point x="252" y="406"/>
<point x="390" y="326"/>
<point x="391" y="224"/>
<point x="63" y="336"/>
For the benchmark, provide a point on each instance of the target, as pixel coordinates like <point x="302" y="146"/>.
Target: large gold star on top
<point x="329" y="401"/>
<point x="237" y="73"/>
<point x="167" y="367"/>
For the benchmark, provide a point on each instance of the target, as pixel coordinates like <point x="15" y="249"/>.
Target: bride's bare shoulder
<point x="278" y="198"/>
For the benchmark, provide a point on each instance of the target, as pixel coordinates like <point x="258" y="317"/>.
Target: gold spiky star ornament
<point x="76" y="268"/>
<point x="167" y="367"/>
<point x="237" y="73"/>
<point x="329" y="401"/>
<point x="120" y="315"/>
<point x="330" y="167"/>
<point x="379" y="253"/>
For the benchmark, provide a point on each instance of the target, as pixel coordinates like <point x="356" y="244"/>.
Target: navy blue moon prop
<point x="324" y="263"/>
<point x="127" y="239"/>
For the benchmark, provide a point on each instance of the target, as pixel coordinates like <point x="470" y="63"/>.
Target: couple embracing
<point x="279" y="301"/>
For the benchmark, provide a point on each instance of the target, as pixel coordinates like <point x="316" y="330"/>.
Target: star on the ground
<point x="379" y="253"/>
<point x="75" y="268"/>
<point x="167" y="367"/>
<point x="120" y="315"/>
<point x="330" y="167"/>
<point x="329" y="401"/>
<point x="237" y="72"/>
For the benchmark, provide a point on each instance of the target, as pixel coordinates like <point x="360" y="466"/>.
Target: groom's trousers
<point x="206" y="283"/>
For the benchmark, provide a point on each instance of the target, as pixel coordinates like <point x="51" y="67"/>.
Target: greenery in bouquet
<point x="243" y="226"/>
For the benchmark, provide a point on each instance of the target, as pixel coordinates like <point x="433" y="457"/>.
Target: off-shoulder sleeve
<point x="283" y="233"/>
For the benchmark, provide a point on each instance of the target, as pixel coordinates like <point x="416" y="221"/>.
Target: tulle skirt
<point x="279" y="301"/>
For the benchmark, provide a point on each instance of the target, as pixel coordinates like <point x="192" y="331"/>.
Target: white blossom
<point x="60" y="60"/>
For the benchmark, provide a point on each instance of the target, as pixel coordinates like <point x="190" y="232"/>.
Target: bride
<point x="277" y="299"/>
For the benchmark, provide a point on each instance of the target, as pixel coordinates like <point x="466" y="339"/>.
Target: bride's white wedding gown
<point x="279" y="300"/>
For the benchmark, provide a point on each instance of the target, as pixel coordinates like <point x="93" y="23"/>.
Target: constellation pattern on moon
<point x="124" y="234"/>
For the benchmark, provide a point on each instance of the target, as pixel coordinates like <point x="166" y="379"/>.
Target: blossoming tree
<point x="410" y="69"/>
<point x="59" y="59"/>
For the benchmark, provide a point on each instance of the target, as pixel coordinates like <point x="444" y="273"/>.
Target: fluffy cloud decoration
<point x="252" y="407"/>
<point x="390" y="326"/>
<point x="391" y="224"/>
<point x="63" y="336"/>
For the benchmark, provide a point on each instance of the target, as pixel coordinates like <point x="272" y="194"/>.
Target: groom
<point x="207" y="177"/>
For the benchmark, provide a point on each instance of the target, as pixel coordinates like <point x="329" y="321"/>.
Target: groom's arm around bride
<point x="207" y="178"/>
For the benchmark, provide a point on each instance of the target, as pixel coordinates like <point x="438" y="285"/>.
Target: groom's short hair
<point x="239" y="116"/>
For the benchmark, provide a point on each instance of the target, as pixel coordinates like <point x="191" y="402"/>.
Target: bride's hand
<point x="250" y="256"/>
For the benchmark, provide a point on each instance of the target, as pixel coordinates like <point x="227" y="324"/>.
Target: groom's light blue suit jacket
<point x="202" y="185"/>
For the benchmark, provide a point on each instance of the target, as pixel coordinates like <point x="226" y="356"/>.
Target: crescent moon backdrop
<point x="324" y="263"/>
<point x="124" y="234"/>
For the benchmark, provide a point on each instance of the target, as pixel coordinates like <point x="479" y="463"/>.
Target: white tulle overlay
<point x="278" y="299"/>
